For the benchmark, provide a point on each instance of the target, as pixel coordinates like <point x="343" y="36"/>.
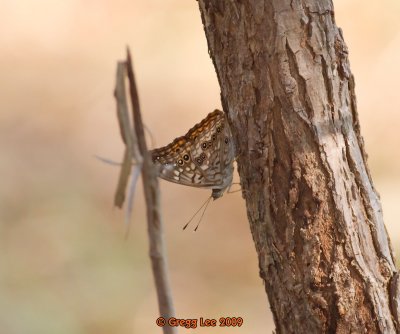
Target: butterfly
<point x="202" y="158"/>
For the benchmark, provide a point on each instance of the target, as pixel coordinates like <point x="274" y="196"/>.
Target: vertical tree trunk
<point x="314" y="214"/>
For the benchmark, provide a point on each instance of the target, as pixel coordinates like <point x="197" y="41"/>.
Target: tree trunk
<point x="315" y="217"/>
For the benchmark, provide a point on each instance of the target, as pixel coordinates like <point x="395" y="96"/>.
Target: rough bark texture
<point x="314" y="214"/>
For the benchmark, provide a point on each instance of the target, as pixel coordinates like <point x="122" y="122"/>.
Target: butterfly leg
<point x="229" y="191"/>
<point x="111" y="162"/>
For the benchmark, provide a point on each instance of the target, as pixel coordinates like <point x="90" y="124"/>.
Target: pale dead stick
<point x="136" y="148"/>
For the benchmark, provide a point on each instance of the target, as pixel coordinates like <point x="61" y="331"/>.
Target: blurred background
<point x="65" y="266"/>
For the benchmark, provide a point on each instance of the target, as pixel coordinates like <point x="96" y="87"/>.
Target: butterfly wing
<point x="198" y="159"/>
<point x="227" y="156"/>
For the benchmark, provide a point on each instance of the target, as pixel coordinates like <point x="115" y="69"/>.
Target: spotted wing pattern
<point x="202" y="158"/>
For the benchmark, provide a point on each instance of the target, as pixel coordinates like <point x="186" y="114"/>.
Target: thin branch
<point x="128" y="136"/>
<point x="154" y="222"/>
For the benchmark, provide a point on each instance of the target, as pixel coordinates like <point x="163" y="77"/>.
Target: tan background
<point x="64" y="264"/>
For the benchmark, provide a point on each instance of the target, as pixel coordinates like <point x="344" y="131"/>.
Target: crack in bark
<point x="328" y="88"/>
<point x="341" y="56"/>
<point x="394" y="293"/>
<point x="308" y="30"/>
<point x="301" y="84"/>
<point x="356" y="124"/>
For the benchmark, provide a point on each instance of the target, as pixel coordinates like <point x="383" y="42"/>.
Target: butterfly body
<point x="202" y="158"/>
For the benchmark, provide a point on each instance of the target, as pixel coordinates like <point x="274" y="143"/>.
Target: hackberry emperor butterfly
<point x="202" y="158"/>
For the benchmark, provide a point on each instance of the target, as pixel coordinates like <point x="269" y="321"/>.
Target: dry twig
<point x="136" y="149"/>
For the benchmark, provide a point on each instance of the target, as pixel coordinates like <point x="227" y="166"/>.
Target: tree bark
<point x="316" y="219"/>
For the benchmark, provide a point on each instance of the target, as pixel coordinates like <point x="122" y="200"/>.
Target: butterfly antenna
<point x="202" y="215"/>
<point x="204" y="204"/>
